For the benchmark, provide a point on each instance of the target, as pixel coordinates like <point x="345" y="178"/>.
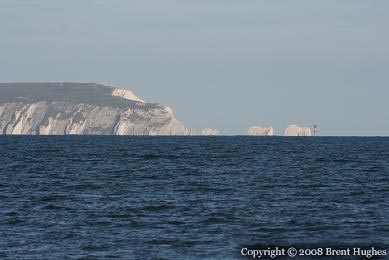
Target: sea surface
<point x="85" y="197"/>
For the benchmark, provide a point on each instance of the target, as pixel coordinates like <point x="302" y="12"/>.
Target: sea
<point x="109" y="197"/>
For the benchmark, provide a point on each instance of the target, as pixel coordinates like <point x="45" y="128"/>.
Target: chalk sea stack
<point x="210" y="132"/>
<point x="294" y="130"/>
<point x="260" y="131"/>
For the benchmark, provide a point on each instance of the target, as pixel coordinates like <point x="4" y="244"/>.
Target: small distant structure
<point x="315" y="130"/>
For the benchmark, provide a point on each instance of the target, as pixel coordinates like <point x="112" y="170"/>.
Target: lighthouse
<point x="315" y="130"/>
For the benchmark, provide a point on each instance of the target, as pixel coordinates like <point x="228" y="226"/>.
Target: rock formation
<point x="210" y="132"/>
<point x="294" y="130"/>
<point x="81" y="109"/>
<point x="260" y="131"/>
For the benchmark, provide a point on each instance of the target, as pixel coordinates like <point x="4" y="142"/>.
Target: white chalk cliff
<point x="260" y="131"/>
<point x="210" y="132"/>
<point x="126" y="94"/>
<point x="294" y="130"/>
<point x="80" y="109"/>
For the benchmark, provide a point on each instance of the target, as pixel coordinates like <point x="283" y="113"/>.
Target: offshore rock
<point x="260" y="131"/>
<point x="81" y="109"/>
<point x="210" y="132"/>
<point x="294" y="130"/>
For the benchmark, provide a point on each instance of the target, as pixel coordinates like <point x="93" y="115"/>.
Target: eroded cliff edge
<point x="81" y="109"/>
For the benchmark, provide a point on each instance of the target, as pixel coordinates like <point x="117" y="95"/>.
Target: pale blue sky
<point x="226" y="64"/>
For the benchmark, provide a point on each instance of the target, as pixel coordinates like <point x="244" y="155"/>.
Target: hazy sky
<point x="226" y="64"/>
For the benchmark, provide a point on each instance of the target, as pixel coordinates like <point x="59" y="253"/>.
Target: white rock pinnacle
<point x="294" y="130"/>
<point x="210" y="132"/>
<point x="260" y="131"/>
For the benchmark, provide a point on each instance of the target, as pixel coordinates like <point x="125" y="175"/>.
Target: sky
<point x="223" y="64"/>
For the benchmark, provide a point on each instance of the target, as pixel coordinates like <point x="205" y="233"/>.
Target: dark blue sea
<point x="84" y="197"/>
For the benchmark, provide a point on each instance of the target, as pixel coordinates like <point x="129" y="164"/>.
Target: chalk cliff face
<point x="294" y="130"/>
<point x="126" y="94"/>
<point x="260" y="131"/>
<point x="210" y="132"/>
<point x="80" y="109"/>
